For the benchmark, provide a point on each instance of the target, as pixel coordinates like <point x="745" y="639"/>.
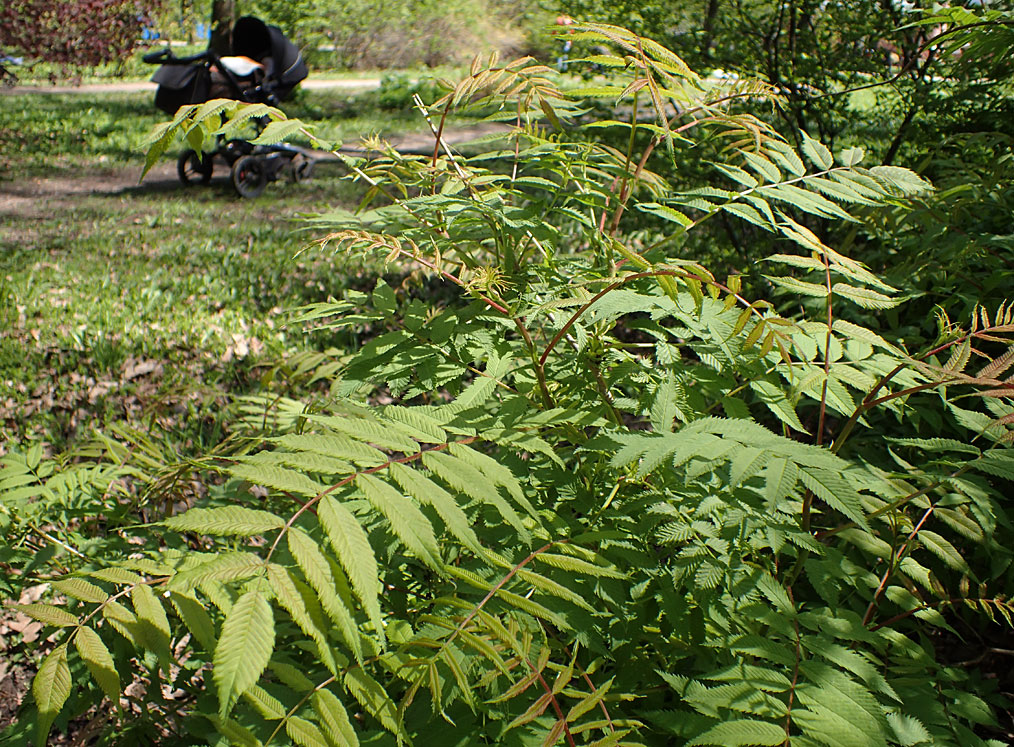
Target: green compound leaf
<point x="742" y="732"/>
<point x="227" y="566"/>
<point x="51" y="688"/>
<point x="352" y="547"/>
<point x="285" y="480"/>
<point x="317" y="571"/>
<point x="99" y="661"/>
<point x="228" y="521"/>
<point x="48" y="614"/>
<point x="289" y="596"/>
<point x="244" y="648"/>
<point x="152" y="629"/>
<point x="266" y="704"/>
<point x="334" y="718"/>
<point x="409" y="524"/>
<point x="373" y="699"/>
<point x="836" y="492"/>
<point x="304" y="733"/>
<point x="196" y="618"/>
<point x="80" y="589"/>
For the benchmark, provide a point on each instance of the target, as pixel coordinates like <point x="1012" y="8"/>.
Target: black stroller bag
<point x="181" y="84"/>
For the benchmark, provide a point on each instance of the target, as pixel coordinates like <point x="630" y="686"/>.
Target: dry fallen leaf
<point x="134" y="368"/>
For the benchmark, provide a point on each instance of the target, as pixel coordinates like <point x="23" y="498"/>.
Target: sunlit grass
<point x="195" y="279"/>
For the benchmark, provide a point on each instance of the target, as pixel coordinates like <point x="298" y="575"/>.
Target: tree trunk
<point x="708" y="27"/>
<point x="223" y="15"/>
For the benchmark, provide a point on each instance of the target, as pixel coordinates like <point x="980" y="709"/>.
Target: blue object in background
<point x="203" y="31"/>
<point x="150" y="34"/>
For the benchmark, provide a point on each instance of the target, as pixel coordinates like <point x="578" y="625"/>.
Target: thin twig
<point x="338" y="486"/>
<point x="895" y="561"/>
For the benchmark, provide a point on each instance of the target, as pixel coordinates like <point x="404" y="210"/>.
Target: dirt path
<point x="24" y="201"/>
<point x="312" y="84"/>
<point x="41" y="196"/>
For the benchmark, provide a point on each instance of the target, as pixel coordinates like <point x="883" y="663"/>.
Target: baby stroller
<point x="264" y="68"/>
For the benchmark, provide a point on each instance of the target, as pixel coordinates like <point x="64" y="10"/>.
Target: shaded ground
<point x="42" y="196"/>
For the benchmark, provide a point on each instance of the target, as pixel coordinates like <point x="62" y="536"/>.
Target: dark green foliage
<point x="600" y="495"/>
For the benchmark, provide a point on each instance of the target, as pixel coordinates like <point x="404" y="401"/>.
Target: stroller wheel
<point x="302" y="169"/>
<point x="248" y="176"/>
<point x="194" y="168"/>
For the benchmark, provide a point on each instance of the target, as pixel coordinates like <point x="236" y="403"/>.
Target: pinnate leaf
<point x="99" y="661"/>
<point x="244" y="648"/>
<point x="225" y="566"/>
<point x="78" y="588"/>
<point x="228" y="521"/>
<point x="51" y="688"/>
<point x="372" y="697"/>
<point x="48" y="614"/>
<point x="741" y="732"/>
<point x="304" y="733"/>
<point x="334" y="718"/>
<point x="196" y="618"/>
<point x="286" y="480"/>
<point x="317" y="571"/>
<point x="836" y="492"/>
<point x="410" y="524"/>
<point x="152" y="623"/>
<point x="355" y="555"/>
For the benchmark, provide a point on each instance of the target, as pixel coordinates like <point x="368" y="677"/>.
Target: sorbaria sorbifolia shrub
<point x="597" y="494"/>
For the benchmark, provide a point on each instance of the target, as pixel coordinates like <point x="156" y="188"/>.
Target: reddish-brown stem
<point x="943" y="603"/>
<point x="628" y="186"/>
<point x="634" y="276"/>
<point x="295" y="708"/>
<point x="492" y="592"/>
<point x="625" y="191"/>
<point x="440" y="133"/>
<point x="540" y="366"/>
<point x="338" y="486"/>
<point x="489" y="595"/>
<point x="500" y="584"/>
<point x="555" y="702"/>
<point x="895" y="560"/>
<point x="591" y="686"/>
<point x="454" y="279"/>
<point x="625" y="185"/>
<point x="870" y="400"/>
<point x="898" y="503"/>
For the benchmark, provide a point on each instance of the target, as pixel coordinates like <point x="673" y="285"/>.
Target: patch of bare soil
<point x="16" y="675"/>
<point x="46" y="196"/>
<point x="422" y="143"/>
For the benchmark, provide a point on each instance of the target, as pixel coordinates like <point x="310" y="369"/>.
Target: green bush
<point x="401" y="33"/>
<point x="600" y="496"/>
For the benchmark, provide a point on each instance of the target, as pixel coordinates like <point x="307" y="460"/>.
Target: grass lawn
<point x="122" y="301"/>
<point x="69" y="133"/>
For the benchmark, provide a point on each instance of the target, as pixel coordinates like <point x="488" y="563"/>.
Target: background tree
<point x="223" y="16"/>
<point x="810" y="51"/>
<point x="72" y="32"/>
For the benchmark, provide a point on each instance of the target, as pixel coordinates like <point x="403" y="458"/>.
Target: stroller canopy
<point x="253" y="38"/>
<point x="284" y="68"/>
